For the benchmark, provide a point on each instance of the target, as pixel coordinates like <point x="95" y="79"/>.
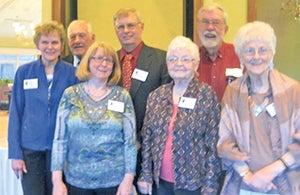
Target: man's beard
<point x="209" y="43"/>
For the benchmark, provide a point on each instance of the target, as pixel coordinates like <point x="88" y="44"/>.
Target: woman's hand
<point x="19" y="167"/>
<point x="125" y="187"/>
<point x="259" y="181"/>
<point x="229" y="150"/>
<point x="144" y="187"/>
<point x="262" y="179"/>
<point x="59" y="188"/>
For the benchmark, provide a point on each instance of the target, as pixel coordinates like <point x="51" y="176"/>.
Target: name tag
<point x="186" y="102"/>
<point x="234" y="72"/>
<point x="271" y="109"/>
<point x="139" y="74"/>
<point x="115" y="106"/>
<point x="30" y="84"/>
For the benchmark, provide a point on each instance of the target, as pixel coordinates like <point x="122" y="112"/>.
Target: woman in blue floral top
<point x="95" y="140"/>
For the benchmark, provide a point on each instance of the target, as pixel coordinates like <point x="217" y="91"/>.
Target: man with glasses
<point x="216" y="56"/>
<point x="143" y="68"/>
<point x="80" y="37"/>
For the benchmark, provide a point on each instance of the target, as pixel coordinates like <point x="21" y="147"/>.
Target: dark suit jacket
<point x="153" y="61"/>
<point x="69" y="58"/>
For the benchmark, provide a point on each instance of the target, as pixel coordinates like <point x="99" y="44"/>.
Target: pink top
<point x="166" y="170"/>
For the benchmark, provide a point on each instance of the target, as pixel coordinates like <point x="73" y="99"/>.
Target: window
<point x="9" y="62"/>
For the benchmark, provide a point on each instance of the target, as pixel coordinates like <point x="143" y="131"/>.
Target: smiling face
<point x="256" y="57"/>
<point x="79" y="38"/>
<point x="101" y="65"/>
<point x="212" y="28"/>
<point x="50" y="46"/>
<point x="181" y="65"/>
<point x="129" y="31"/>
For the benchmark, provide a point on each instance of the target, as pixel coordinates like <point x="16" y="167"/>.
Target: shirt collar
<point x="220" y="52"/>
<point x="76" y="61"/>
<point x="135" y="52"/>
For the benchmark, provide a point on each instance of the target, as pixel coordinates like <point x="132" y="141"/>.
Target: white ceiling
<point x="22" y="11"/>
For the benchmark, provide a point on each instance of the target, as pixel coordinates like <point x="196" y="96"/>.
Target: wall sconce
<point x="291" y="7"/>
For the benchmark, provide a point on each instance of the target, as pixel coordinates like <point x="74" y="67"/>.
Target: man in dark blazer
<point x="149" y="67"/>
<point x="80" y="37"/>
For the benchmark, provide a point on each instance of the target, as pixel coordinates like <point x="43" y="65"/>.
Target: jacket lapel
<point x="144" y="61"/>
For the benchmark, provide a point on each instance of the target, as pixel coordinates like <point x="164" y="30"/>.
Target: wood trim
<point x="59" y="11"/>
<point x="251" y="11"/>
<point x="197" y="5"/>
<point x="59" y="15"/>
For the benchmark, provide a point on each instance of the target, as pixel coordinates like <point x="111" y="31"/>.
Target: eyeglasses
<point x="215" y="23"/>
<point x="184" y="59"/>
<point x="102" y="59"/>
<point x="129" y="26"/>
<point x="251" y="51"/>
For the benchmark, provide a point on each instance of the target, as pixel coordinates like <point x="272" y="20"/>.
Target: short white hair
<point x="255" y="31"/>
<point x="184" y="42"/>
<point x="211" y="7"/>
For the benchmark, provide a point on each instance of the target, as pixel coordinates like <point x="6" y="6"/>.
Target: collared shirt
<point x="135" y="53"/>
<point x="76" y="61"/>
<point x="213" y="73"/>
<point x="32" y="116"/>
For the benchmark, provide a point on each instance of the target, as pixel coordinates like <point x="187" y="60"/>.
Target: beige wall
<point x="287" y="31"/>
<point x="237" y="15"/>
<point x="163" y="19"/>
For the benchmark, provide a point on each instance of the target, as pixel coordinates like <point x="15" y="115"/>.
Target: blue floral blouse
<point x="95" y="141"/>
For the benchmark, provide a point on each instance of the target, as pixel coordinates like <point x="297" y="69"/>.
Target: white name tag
<point x="271" y="109"/>
<point x="186" y="102"/>
<point x="235" y="72"/>
<point x="139" y="74"/>
<point x="30" y="84"/>
<point x="115" y="106"/>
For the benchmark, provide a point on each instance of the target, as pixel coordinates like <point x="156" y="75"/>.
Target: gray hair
<point x="210" y="7"/>
<point x="125" y="12"/>
<point x="81" y="22"/>
<point x="184" y="42"/>
<point x="254" y="31"/>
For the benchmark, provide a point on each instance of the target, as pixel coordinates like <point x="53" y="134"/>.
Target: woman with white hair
<point x="260" y="119"/>
<point x="180" y="128"/>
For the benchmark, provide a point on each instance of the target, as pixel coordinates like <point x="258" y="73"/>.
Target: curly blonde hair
<point x="47" y="28"/>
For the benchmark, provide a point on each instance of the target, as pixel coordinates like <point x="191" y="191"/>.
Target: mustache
<point x="210" y="34"/>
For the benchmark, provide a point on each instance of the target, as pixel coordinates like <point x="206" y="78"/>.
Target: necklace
<point x="96" y="94"/>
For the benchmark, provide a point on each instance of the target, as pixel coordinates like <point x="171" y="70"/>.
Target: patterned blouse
<point x="95" y="141"/>
<point x="195" y="136"/>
